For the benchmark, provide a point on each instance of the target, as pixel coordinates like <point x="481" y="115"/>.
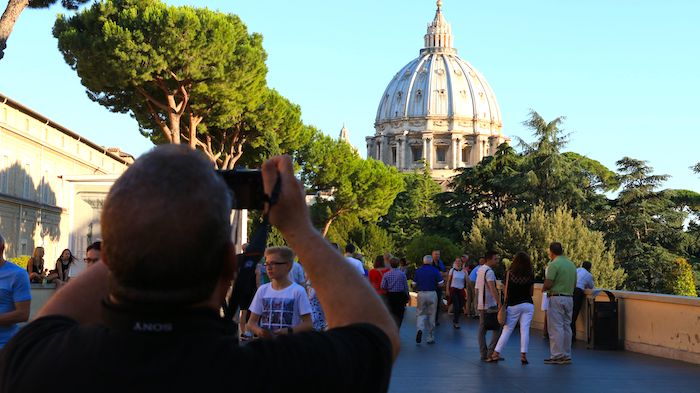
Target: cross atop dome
<point x="439" y="35"/>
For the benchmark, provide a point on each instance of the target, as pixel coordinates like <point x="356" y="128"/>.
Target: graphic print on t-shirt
<point x="278" y="313"/>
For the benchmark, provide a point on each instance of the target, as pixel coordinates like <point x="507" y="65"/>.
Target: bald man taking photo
<point x="146" y="318"/>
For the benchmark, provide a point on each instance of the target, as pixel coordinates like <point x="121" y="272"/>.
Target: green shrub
<point x="371" y="241"/>
<point x="684" y="280"/>
<point x="423" y="245"/>
<point x="20" y="261"/>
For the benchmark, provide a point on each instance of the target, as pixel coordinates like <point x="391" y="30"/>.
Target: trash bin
<point x="603" y="326"/>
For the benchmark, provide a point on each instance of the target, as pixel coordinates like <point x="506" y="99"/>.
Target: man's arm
<point x="346" y="298"/>
<point x="494" y="292"/>
<point x="550" y="276"/>
<point x="20" y="314"/>
<point x="548" y="284"/>
<point x="82" y="299"/>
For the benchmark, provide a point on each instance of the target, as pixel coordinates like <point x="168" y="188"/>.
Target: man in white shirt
<point x="584" y="280"/>
<point x="356" y="263"/>
<point x="488" y="301"/>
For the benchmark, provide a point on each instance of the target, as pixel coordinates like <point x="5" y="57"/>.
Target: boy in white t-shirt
<point x="280" y="306"/>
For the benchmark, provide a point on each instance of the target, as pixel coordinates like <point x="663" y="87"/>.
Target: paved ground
<point x="453" y="365"/>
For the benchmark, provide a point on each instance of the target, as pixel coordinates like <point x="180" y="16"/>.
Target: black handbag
<point x="491" y="314"/>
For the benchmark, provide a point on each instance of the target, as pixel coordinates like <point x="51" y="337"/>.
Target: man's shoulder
<point x="11" y="268"/>
<point x="32" y="341"/>
<point x="296" y="288"/>
<point x="569" y="264"/>
<point x="352" y="259"/>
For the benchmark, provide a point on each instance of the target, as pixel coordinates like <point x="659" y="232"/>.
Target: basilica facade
<point x="437" y="111"/>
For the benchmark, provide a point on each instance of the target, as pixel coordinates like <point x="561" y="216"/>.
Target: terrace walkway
<point x="453" y="365"/>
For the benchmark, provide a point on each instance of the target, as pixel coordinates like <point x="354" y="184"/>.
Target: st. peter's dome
<point x="438" y="110"/>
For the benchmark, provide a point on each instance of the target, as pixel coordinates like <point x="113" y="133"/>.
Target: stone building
<point x="52" y="183"/>
<point x="437" y="111"/>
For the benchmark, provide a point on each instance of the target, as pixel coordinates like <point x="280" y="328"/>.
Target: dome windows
<point x="416" y="153"/>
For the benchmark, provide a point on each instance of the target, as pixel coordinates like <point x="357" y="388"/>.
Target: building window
<point x="5" y="175"/>
<point x="393" y="155"/>
<point x="466" y="151"/>
<point x="27" y="187"/>
<point x="416" y="153"/>
<point x="45" y="188"/>
<point x="441" y="152"/>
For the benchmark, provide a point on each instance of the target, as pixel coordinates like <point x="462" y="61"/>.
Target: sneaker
<point x="563" y="361"/>
<point x="550" y="361"/>
<point x="430" y="340"/>
<point x="419" y="336"/>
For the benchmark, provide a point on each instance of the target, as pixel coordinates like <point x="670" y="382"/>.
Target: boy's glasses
<point x="273" y="263"/>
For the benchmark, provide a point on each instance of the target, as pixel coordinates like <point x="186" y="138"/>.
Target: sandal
<point x="495" y="358"/>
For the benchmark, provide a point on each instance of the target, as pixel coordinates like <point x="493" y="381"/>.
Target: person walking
<point x="472" y="288"/>
<point x="395" y="284"/>
<point x="489" y="302"/>
<point x="457" y="282"/>
<point x="427" y="280"/>
<point x="584" y="280"/>
<point x="520" y="281"/>
<point x="438" y="264"/>
<point x="376" y="274"/>
<point x="559" y="283"/>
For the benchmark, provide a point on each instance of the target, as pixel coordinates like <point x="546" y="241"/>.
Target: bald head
<point x="165" y="227"/>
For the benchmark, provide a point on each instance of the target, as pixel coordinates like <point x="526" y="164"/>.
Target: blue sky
<point x="624" y="73"/>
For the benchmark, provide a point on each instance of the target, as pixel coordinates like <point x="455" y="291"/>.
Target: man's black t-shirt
<point x="196" y="353"/>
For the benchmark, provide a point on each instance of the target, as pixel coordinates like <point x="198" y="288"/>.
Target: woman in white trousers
<point x="518" y="298"/>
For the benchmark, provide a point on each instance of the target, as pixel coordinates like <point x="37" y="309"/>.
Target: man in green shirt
<point x="559" y="283"/>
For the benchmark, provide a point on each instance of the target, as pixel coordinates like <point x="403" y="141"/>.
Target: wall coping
<point x="646" y="296"/>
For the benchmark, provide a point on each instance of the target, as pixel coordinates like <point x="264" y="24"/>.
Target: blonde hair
<point x="285" y="253"/>
<point x="36" y="251"/>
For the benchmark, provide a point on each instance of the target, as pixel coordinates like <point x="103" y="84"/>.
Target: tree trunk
<point x="327" y="226"/>
<point x="8" y="20"/>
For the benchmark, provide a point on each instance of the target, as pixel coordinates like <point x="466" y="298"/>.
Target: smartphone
<point x="247" y="188"/>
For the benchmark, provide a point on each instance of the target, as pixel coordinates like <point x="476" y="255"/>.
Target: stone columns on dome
<point x="401" y="145"/>
<point x="455" y="151"/>
<point x="370" y="144"/>
<point x="428" y="150"/>
<point x="384" y="151"/>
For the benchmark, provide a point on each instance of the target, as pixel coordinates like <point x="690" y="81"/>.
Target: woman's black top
<point x="37" y="266"/>
<point x="519" y="289"/>
<point x="64" y="269"/>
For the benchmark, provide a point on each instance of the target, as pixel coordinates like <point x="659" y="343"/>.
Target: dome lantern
<point x="438" y="38"/>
